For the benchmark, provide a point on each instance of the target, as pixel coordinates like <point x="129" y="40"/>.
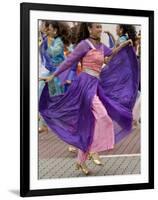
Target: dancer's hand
<point x="46" y="79"/>
<point x="130" y="42"/>
<point x="123" y="44"/>
<point x="106" y="60"/>
<point x="68" y="81"/>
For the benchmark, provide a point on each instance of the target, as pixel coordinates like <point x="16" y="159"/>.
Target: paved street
<point x="55" y="161"/>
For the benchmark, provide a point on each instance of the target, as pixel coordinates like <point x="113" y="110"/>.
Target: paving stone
<point x="55" y="161"/>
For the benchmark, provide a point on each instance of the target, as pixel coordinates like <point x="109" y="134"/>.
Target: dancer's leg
<point x="103" y="138"/>
<point x="136" y="110"/>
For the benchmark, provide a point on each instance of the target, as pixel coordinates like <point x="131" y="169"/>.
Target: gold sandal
<point x="72" y="149"/>
<point x="95" y="157"/>
<point x="83" y="168"/>
<point x="43" y="129"/>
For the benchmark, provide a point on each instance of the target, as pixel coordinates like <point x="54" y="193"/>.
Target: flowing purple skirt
<point x="70" y="115"/>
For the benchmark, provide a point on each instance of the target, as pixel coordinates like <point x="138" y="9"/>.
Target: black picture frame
<point x="25" y="9"/>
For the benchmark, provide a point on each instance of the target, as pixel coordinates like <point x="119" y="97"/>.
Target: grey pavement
<point x="55" y="161"/>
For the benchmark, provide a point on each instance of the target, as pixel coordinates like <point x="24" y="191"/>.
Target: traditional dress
<point x="136" y="109"/>
<point x="51" y="57"/>
<point x="75" y="69"/>
<point x="122" y="39"/>
<point x="96" y="110"/>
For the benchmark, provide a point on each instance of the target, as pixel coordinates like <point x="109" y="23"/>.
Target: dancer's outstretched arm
<point x="117" y="49"/>
<point x="80" y="50"/>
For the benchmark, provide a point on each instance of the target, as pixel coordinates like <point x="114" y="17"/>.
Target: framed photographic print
<point x="87" y="99"/>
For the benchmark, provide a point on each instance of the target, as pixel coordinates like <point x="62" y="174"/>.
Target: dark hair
<point x="46" y="22"/>
<point x="83" y="32"/>
<point x="63" y="31"/>
<point x="130" y="30"/>
<point x="74" y="32"/>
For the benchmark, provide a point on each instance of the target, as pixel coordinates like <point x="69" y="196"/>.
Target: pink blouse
<point x="93" y="59"/>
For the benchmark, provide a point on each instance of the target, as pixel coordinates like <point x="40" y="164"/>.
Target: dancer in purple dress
<point x="125" y="32"/>
<point x="55" y="38"/>
<point x="96" y="111"/>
